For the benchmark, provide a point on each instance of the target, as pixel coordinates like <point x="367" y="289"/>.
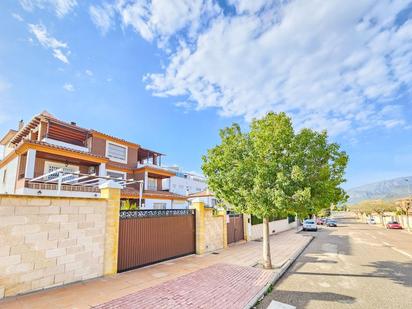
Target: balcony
<point x="64" y="144"/>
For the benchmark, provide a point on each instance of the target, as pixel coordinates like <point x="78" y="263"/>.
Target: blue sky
<point x="169" y="75"/>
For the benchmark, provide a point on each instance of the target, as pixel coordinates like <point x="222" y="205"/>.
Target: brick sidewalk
<point x="99" y="291"/>
<point x="217" y="286"/>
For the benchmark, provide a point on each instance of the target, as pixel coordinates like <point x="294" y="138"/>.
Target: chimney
<point x="21" y="124"/>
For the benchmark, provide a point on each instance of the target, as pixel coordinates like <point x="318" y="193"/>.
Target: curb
<point x="276" y="276"/>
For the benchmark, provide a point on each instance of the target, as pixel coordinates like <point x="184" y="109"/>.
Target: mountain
<point x="387" y="189"/>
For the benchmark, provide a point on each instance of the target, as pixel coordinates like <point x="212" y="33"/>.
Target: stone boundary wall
<point x="49" y="241"/>
<point x="256" y="231"/>
<point x="214" y="231"/>
<point x="389" y="217"/>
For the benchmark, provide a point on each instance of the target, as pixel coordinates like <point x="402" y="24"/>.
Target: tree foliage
<point x="273" y="171"/>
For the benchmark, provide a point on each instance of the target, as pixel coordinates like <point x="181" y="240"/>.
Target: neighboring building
<point x="47" y="144"/>
<point x="207" y="197"/>
<point x="185" y="183"/>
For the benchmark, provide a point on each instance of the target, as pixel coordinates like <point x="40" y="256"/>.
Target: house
<point x="185" y="183"/>
<point x="207" y="197"/>
<point x="46" y="146"/>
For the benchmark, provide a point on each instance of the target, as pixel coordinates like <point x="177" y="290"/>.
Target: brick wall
<point x="49" y="241"/>
<point x="213" y="230"/>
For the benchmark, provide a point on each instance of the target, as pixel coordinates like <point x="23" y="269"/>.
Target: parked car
<point x="320" y="221"/>
<point x="393" y="225"/>
<point x="310" y="225"/>
<point x="371" y="221"/>
<point x="331" y="222"/>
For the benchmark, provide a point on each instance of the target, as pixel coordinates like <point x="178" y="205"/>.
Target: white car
<point x="310" y="225"/>
<point x="371" y="221"/>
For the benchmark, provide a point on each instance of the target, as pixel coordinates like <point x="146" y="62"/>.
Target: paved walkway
<point x="149" y="280"/>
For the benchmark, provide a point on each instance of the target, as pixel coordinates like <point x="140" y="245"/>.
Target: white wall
<point x="149" y="204"/>
<point x="256" y="231"/>
<point x="179" y="184"/>
<point x="10" y="169"/>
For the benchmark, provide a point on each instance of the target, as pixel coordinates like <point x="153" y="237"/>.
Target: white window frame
<point x="148" y="184"/>
<point x="47" y="164"/>
<point x="118" y="172"/>
<point x="116" y="159"/>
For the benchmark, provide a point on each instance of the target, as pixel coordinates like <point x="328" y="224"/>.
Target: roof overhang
<point x="26" y="145"/>
<point x="153" y="170"/>
<point x="7" y="137"/>
<point x="113" y="139"/>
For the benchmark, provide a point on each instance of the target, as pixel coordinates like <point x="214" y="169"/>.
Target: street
<point x="352" y="266"/>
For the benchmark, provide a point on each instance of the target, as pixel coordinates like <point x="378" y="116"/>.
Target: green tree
<point x="271" y="171"/>
<point x="405" y="205"/>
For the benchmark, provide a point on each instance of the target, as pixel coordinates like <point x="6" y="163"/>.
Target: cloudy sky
<point x="169" y="74"/>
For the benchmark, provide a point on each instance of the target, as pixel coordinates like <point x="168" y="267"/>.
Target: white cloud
<point x="17" y="17"/>
<point x="155" y="18"/>
<point x="340" y="65"/>
<point x="49" y="42"/>
<point x="336" y="68"/>
<point x="88" y="72"/>
<point x="102" y="16"/>
<point x="60" y="7"/>
<point x="68" y="87"/>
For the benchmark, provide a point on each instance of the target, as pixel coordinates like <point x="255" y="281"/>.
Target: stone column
<point x="246" y="227"/>
<point x="224" y="218"/>
<point x="200" y="225"/>
<point x="110" y="191"/>
<point x="30" y="162"/>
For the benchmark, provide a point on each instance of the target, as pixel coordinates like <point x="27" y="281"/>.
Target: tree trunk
<point x="267" y="260"/>
<point x="297" y="222"/>
<point x="383" y="222"/>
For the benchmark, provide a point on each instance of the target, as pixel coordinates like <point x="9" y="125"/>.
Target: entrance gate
<point x="235" y="228"/>
<point x="150" y="236"/>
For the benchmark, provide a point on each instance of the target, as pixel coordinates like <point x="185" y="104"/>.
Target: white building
<point x="184" y="183"/>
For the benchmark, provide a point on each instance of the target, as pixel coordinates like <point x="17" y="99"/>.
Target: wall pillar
<point x="224" y="218"/>
<point x="246" y="227"/>
<point x="30" y="162"/>
<point x="200" y="225"/>
<point x="102" y="170"/>
<point x="110" y="191"/>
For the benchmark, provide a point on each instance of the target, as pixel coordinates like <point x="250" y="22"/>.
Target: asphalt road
<point x="352" y="266"/>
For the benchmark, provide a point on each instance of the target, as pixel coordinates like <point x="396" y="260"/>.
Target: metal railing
<point x="129" y="214"/>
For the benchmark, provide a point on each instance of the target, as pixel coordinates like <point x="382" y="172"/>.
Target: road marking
<point x="397" y="250"/>
<point x="278" y="305"/>
<point x="402" y="252"/>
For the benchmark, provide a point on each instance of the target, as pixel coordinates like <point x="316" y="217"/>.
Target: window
<point x="159" y="205"/>
<point x="116" y="152"/>
<point x="116" y="174"/>
<point x="152" y="184"/>
<point x="67" y="169"/>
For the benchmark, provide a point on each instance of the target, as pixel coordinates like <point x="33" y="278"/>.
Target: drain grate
<point x="215" y="252"/>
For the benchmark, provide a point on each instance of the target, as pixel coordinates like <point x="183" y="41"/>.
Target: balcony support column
<point x="30" y="163"/>
<point x="146" y="180"/>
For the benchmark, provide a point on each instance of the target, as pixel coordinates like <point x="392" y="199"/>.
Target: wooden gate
<point x="150" y="236"/>
<point x="235" y="228"/>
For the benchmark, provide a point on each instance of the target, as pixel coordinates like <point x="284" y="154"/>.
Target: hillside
<point x="387" y="189"/>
